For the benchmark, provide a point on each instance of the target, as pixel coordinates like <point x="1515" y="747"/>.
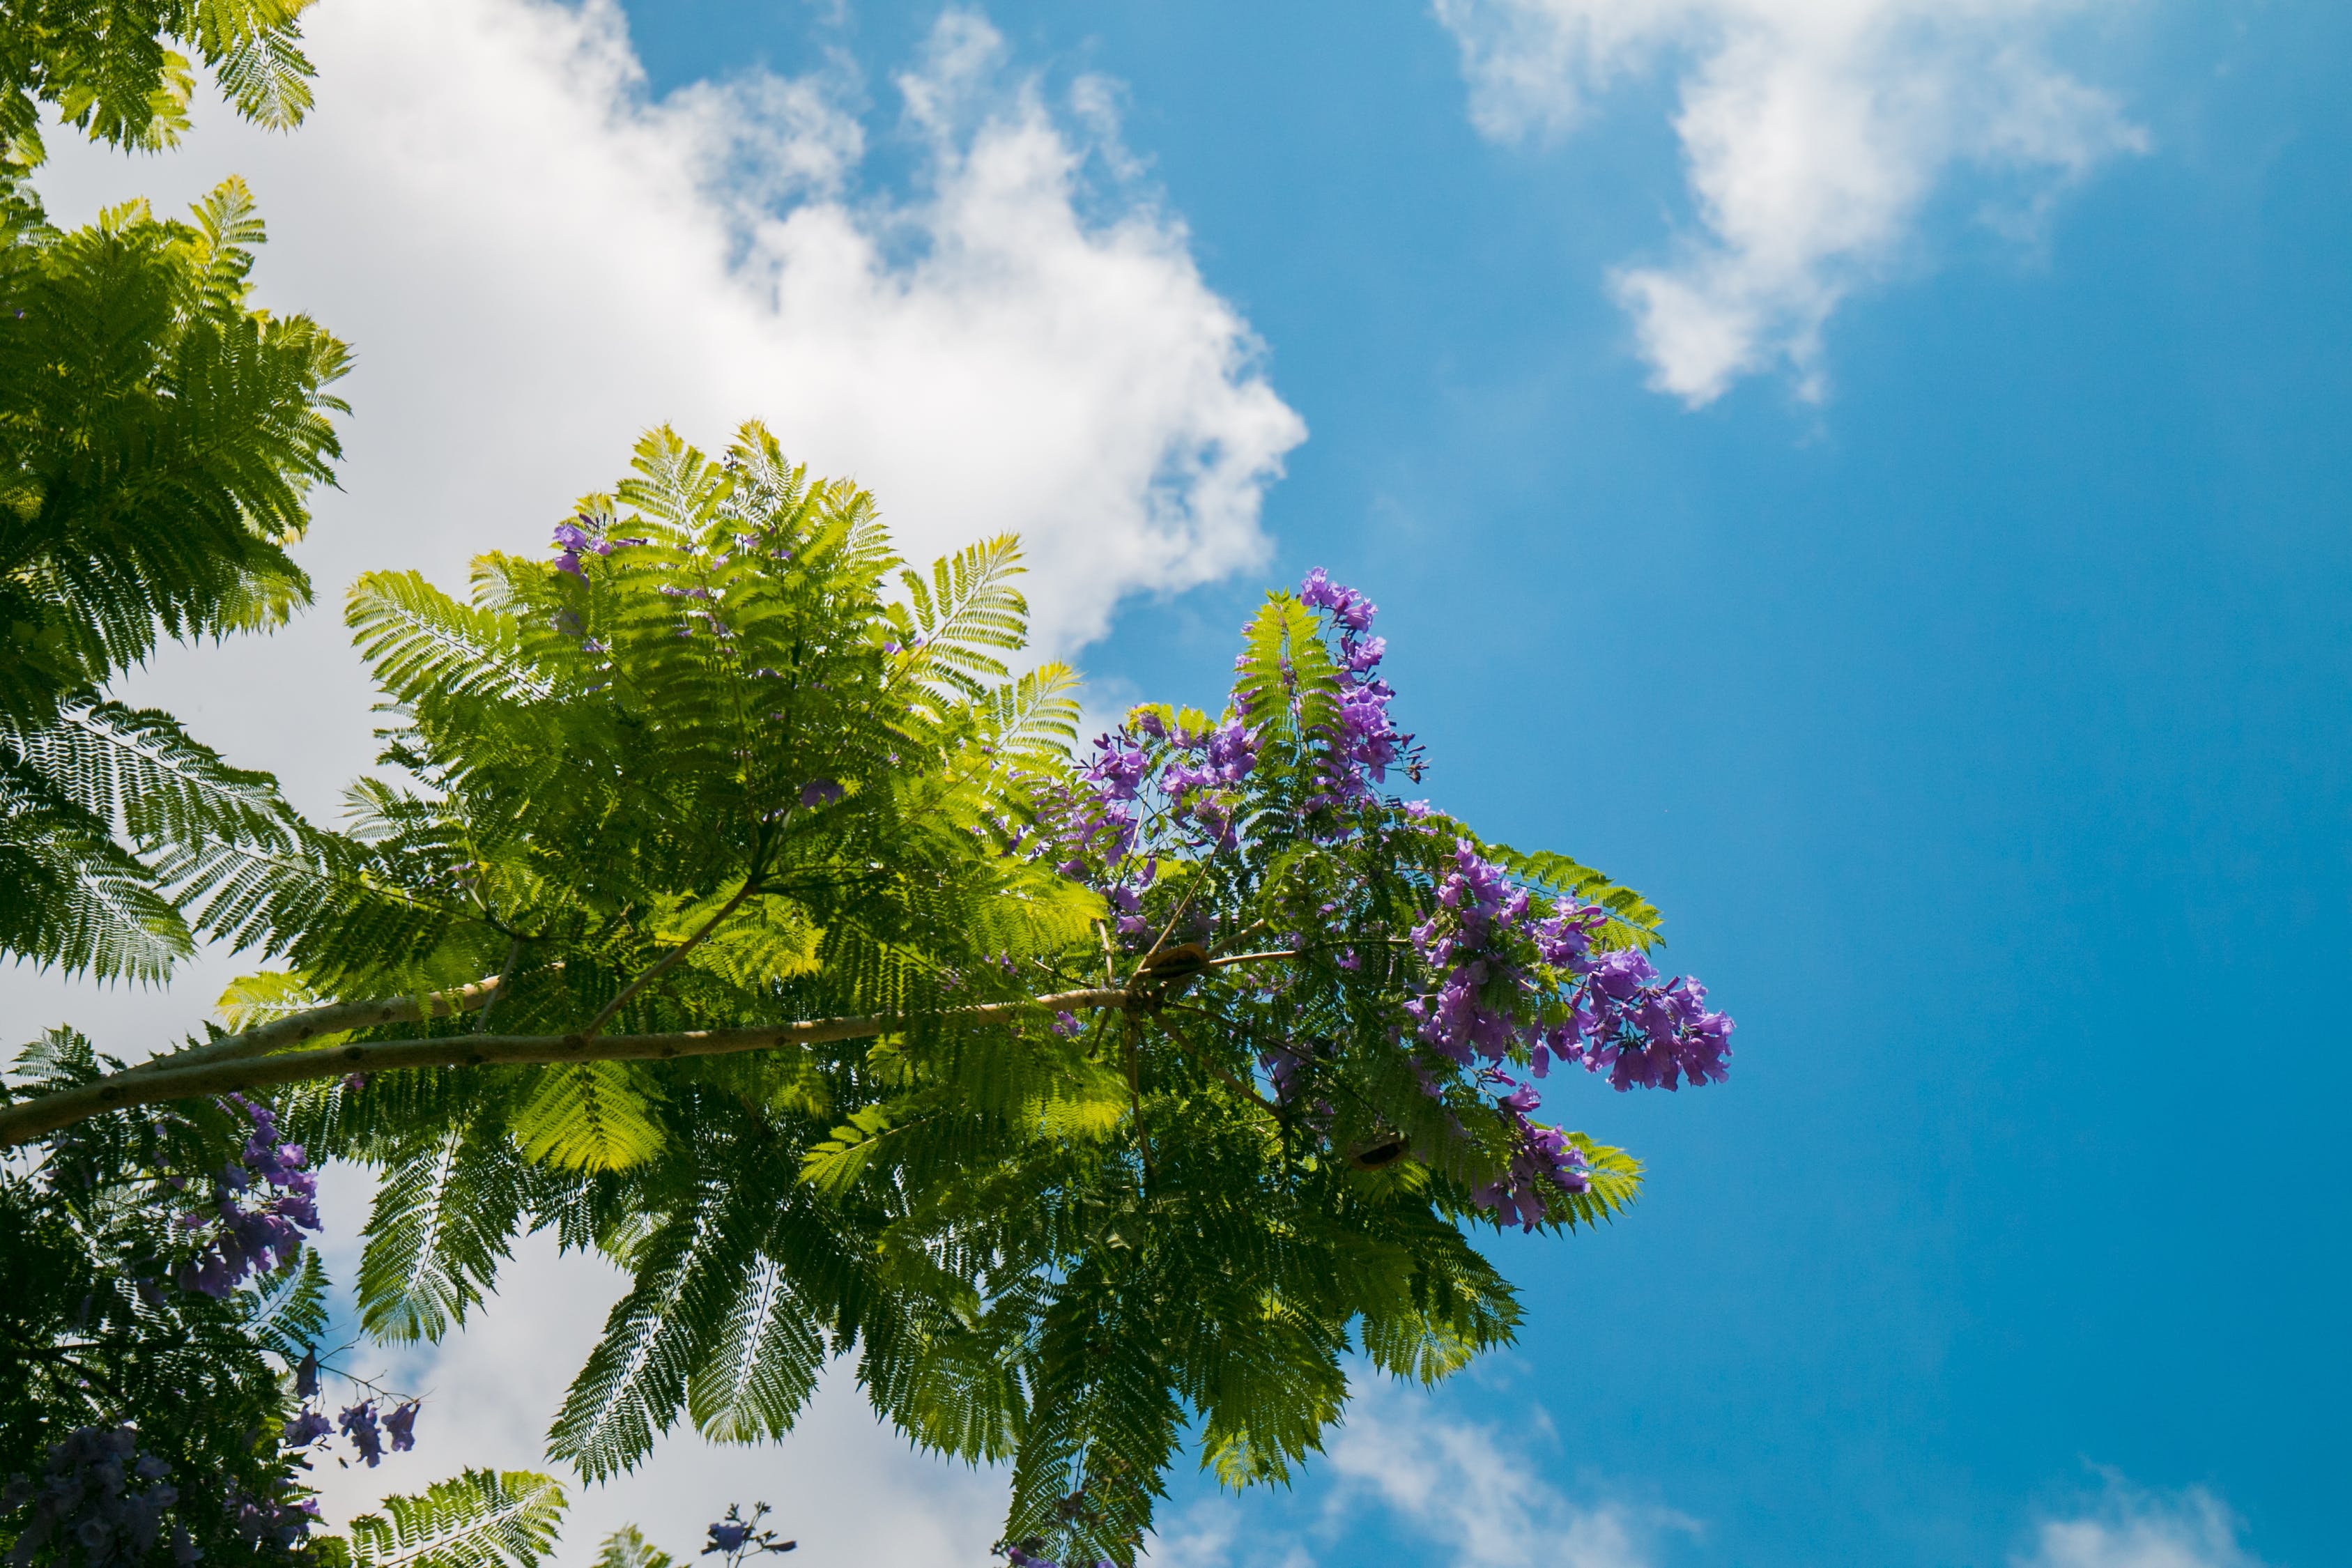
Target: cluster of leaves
<point x="112" y="71"/>
<point x="157" y="438"/>
<point x="785" y="896"/>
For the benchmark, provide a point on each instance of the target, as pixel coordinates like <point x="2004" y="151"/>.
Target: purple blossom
<point x="1350" y="609"/>
<point x="264" y="1201"/>
<point x="307" y="1428"/>
<point x="820" y="792"/>
<point x="358" y="1424"/>
<point x="87" y="1496"/>
<point x="401" y="1427"/>
<point x="1065" y="1024"/>
<point x="1543" y="1158"/>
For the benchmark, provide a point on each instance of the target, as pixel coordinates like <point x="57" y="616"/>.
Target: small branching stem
<point x="506" y="973"/>
<point x="595" y="1025"/>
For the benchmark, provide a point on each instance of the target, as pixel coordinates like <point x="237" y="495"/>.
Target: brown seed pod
<point x="1179" y="962"/>
<point x="1379" y="1153"/>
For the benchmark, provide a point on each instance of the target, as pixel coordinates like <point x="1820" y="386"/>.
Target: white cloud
<point x="535" y="261"/>
<point x="1814" y="132"/>
<point x="2132" y="1529"/>
<point x="1471" y="1491"/>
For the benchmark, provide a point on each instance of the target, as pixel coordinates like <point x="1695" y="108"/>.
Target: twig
<point x="1250" y="957"/>
<point x="506" y="972"/>
<point x="751" y="885"/>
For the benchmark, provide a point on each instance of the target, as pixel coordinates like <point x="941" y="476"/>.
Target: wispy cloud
<point x="2133" y="1529"/>
<point x="1472" y="1492"/>
<point x="1813" y="134"/>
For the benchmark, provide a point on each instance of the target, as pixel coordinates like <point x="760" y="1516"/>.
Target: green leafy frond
<point x="1633" y="921"/>
<point x="422" y="644"/>
<point x="446" y="1214"/>
<point x="481" y="1518"/>
<point x="1616" y="1181"/>
<point x="252" y="1000"/>
<point x="967" y="607"/>
<point x="759" y="1367"/>
<point x="288" y="1312"/>
<point x="593" y="1116"/>
<point x="629" y="1548"/>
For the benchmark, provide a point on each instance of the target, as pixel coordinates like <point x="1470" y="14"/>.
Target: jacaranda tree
<point x="726" y="904"/>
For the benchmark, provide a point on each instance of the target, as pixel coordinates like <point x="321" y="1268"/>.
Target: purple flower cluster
<point x="1626" y="1019"/>
<point x="1622" y="1017"/>
<point x="1469" y="938"/>
<point x="1183" y="777"/>
<point x="358" y="1422"/>
<point x="283" y="1524"/>
<point x="588" y="536"/>
<point x="1541" y="1157"/>
<point x="575" y="539"/>
<point x="1365" y="743"/>
<point x="735" y="1538"/>
<point x="98" y="1497"/>
<point x="265" y="1201"/>
<point x="1206" y="767"/>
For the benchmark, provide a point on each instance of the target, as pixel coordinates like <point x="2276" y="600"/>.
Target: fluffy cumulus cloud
<point x="535" y="258"/>
<point x="2133" y="1529"/>
<point x="1813" y="134"/>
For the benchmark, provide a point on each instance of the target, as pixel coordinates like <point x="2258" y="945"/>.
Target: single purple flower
<point x="401" y="1427"/>
<point x="820" y="791"/>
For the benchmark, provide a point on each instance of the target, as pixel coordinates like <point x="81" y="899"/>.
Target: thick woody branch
<point x="186" y="1078"/>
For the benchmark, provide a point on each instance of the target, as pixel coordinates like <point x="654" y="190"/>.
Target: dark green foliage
<point x="92" y="1333"/>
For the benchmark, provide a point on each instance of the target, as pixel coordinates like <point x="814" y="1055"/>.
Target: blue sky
<point x="1960" y="657"/>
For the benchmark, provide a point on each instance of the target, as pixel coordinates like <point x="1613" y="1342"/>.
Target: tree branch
<point x="332" y="1018"/>
<point x="184" y="1078"/>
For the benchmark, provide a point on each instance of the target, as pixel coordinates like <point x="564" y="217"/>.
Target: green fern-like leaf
<point x="481" y="1518"/>
<point x="589" y="1117"/>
